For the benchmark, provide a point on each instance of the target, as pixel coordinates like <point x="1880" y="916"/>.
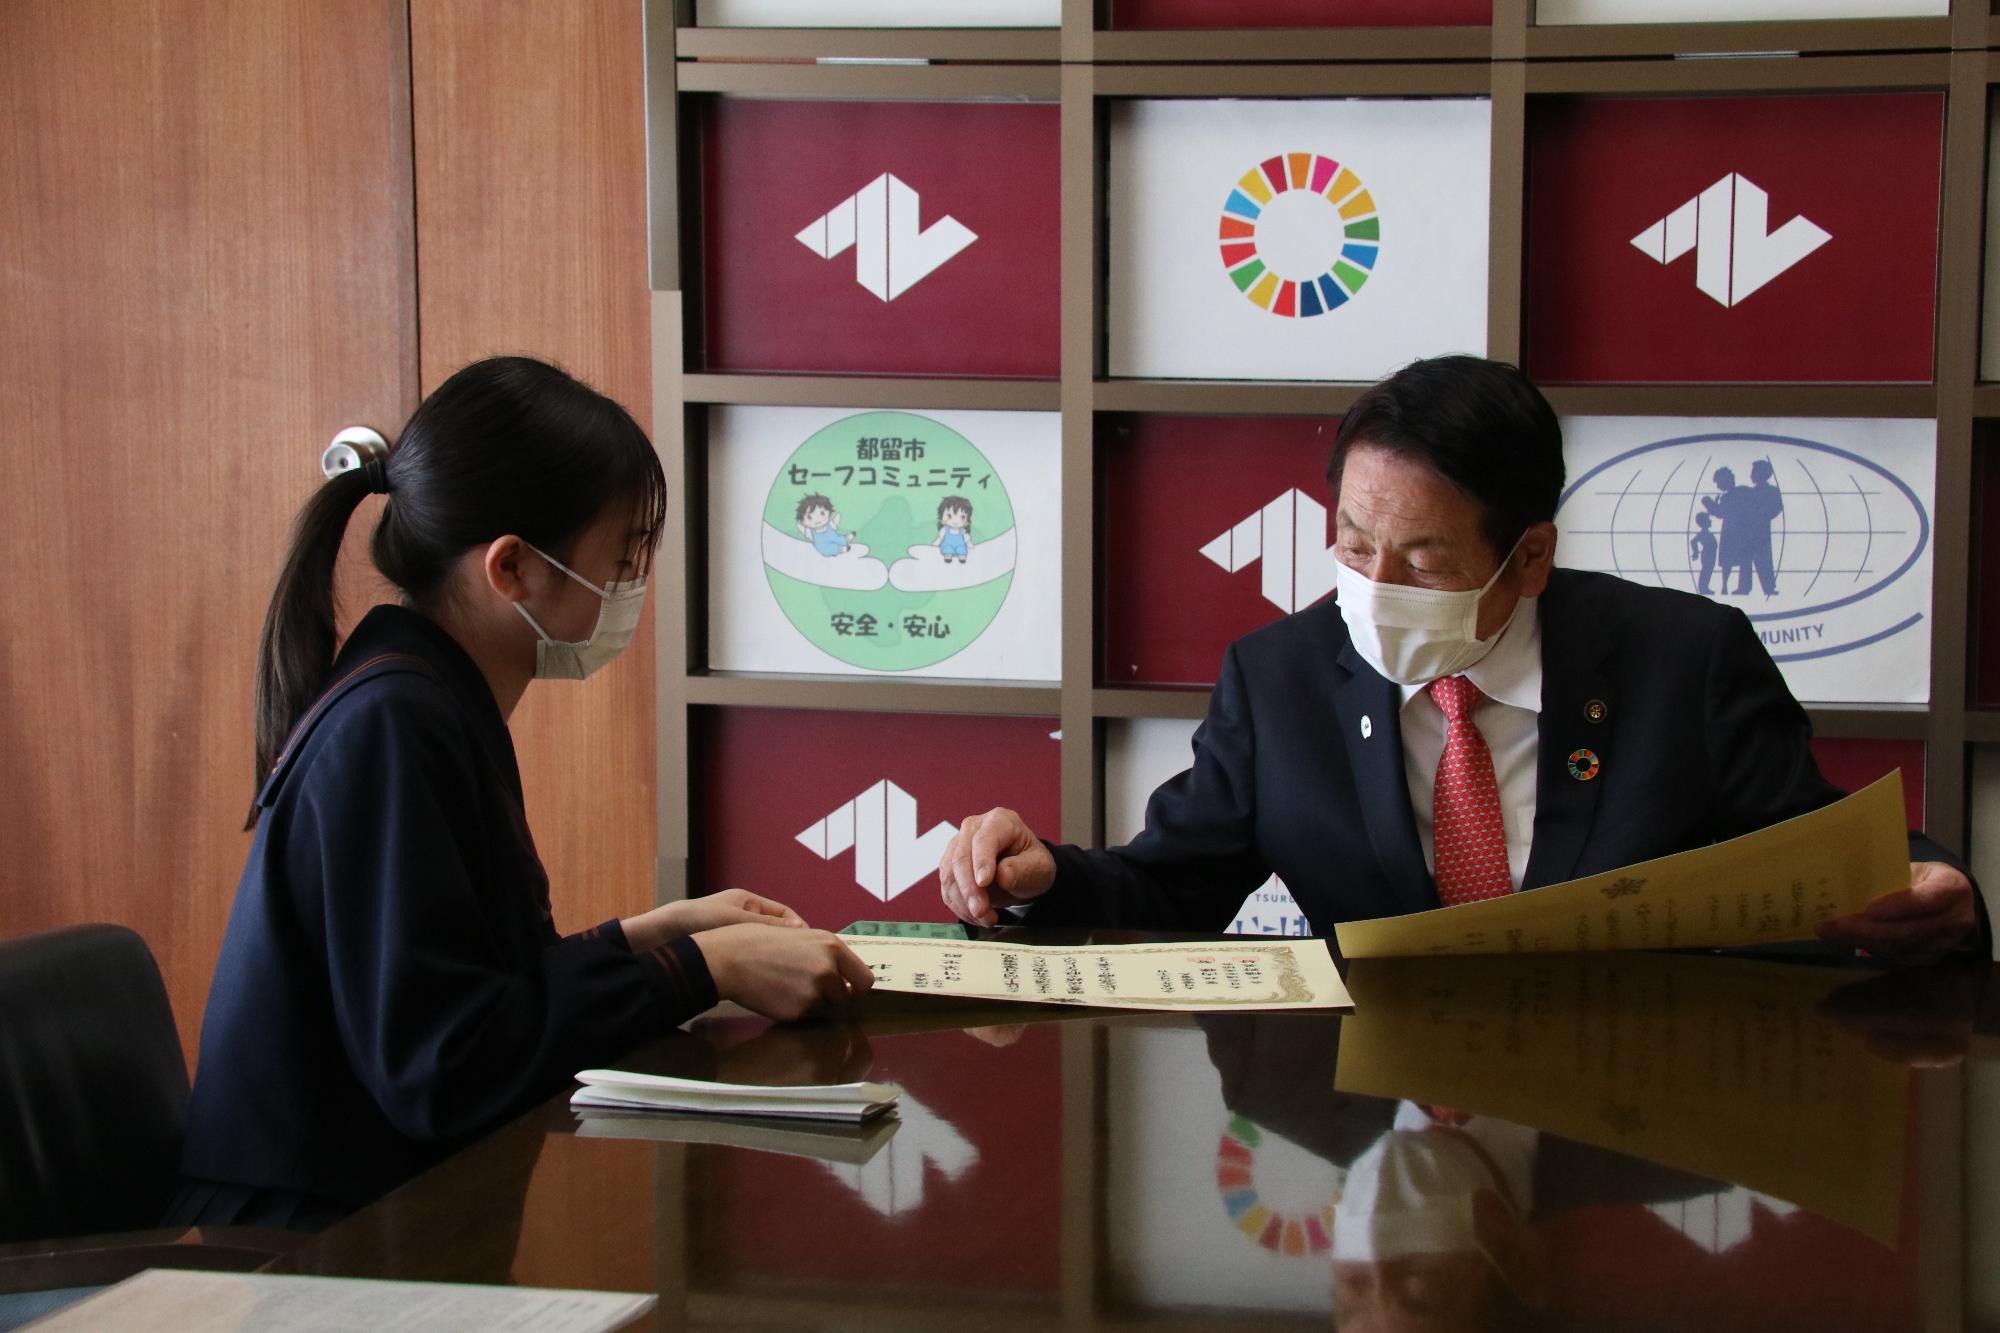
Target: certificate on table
<point x="1217" y="975"/>
<point x="1772" y="885"/>
<point x="1727" y="1067"/>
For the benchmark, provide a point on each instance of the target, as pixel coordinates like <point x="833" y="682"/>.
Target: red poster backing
<point x="770" y="773"/>
<point x="1169" y="485"/>
<point x="1155" y="14"/>
<point x="770" y="168"/>
<point x="776" y="1217"/>
<point x="1853" y="764"/>
<point x="1863" y="166"/>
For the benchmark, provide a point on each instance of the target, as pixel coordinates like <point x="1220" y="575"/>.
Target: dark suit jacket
<point x="1699" y="741"/>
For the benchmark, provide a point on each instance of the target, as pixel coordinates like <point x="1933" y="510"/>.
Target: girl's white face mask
<point x="617" y="618"/>
<point x="1414" y="636"/>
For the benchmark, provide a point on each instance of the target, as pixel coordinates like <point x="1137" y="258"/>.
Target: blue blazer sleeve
<point x="1197" y="859"/>
<point x="455" y="1001"/>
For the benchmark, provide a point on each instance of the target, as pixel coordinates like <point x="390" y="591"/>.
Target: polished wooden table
<point x="1637" y="1142"/>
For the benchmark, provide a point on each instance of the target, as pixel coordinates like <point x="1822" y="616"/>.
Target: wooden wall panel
<point x="530" y="125"/>
<point x="205" y="271"/>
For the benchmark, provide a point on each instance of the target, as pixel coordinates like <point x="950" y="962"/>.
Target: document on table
<point x="850" y="1144"/>
<point x="1726" y="1067"/>
<point x="1217" y="975"/>
<point x="173" y="1301"/>
<point x="1772" y="885"/>
<point x="627" y="1090"/>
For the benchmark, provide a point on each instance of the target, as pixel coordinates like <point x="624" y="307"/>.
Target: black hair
<point x="814" y="501"/>
<point x="958" y="502"/>
<point x="506" y="445"/>
<point x="1481" y="425"/>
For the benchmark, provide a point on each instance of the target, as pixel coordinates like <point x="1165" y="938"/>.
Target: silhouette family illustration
<point x="1746" y="514"/>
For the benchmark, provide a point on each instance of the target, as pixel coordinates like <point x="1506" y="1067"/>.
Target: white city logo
<point x="1725" y="226"/>
<point x="893" y="1181"/>
<point x="881" y="826"/>
<point x="880" y="223"/>
<point x="1289" y="536"/>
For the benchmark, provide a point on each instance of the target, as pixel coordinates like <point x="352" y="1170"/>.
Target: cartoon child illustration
<point x="954" y="539"/>
<point x="820" y="522"/>
<point x="1701" y="547"/>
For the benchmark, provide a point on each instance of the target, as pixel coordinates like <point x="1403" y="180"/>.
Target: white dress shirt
<point x="1509" y="717"/>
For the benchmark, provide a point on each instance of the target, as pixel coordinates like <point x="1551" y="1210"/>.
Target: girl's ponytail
<point x="297" y="647"/>
<point x="505" y="445"/>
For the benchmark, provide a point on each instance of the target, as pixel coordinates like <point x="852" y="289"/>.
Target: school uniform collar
<point x="389" y="628"/>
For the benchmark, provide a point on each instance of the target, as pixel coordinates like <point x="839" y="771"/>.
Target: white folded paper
<point x="852" y="1102"/>
<point x="821" y="1140"/>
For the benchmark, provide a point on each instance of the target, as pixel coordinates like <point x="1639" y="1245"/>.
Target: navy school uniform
<point x="392" y="983"/>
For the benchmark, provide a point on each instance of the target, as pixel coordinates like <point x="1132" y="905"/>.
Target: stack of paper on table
<point x="825" y="1141"/>
<point x="849" y="1102"/>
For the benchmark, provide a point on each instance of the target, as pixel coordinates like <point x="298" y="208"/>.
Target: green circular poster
<point x="889" y="541"/>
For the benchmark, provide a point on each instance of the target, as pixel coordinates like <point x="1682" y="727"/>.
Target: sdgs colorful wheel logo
<point x="1299" y="235"/>
<point x="1822" y="539"/>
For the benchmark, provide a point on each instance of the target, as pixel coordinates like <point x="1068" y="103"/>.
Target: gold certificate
<point x="1727" y="1067"/>
<point x="1223" y="974"/>
<point x="1772" y="885"/>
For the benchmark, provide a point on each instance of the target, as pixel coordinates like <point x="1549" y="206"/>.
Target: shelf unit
<point x="1085" y="64"/>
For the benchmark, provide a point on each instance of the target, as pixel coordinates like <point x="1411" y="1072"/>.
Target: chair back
<point x="93" y="1086"/>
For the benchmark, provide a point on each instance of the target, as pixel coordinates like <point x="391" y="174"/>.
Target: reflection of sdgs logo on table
<point x="1299" y="235"/>
<point x="889" y="541"/>
<point x="1301" y="1230"/>
<point x="1824" y="549"/>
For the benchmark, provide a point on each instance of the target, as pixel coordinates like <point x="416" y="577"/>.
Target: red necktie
<point x="1470" y="838"/>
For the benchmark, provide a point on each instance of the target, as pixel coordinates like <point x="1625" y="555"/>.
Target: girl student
<point x="392" y="982"/>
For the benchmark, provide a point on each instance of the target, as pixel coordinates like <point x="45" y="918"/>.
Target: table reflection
<point x="1645" y="1142"/>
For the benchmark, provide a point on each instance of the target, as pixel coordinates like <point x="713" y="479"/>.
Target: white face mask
<point x="1415" y="635"/>
<point x="616" y="619"/>
<point x="1410" y="1193"/>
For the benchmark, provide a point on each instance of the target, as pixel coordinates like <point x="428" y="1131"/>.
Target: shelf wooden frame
<point x="1084" y="65"/>
<point x="809" y="45"/>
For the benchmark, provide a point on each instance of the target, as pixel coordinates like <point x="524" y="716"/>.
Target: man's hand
<point x="993" y="861"/>
<point x="1932" y="917"/>
<point x="783" y="974"/>
<point x="731" y="907"/>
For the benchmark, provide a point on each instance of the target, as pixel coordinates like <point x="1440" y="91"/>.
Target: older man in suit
<point x="1464" y="722"/>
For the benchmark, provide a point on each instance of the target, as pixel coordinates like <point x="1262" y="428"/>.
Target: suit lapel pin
<point x="1367" y="726"/>
<point x="1595" y="711"/>
<point x="1583" y="764"/>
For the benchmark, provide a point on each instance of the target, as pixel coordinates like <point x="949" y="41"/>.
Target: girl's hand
<point x="783" y="974"/>
<point x="731" y="907"/>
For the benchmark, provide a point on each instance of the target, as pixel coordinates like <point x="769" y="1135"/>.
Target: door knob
<point x="354" y="447"/>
